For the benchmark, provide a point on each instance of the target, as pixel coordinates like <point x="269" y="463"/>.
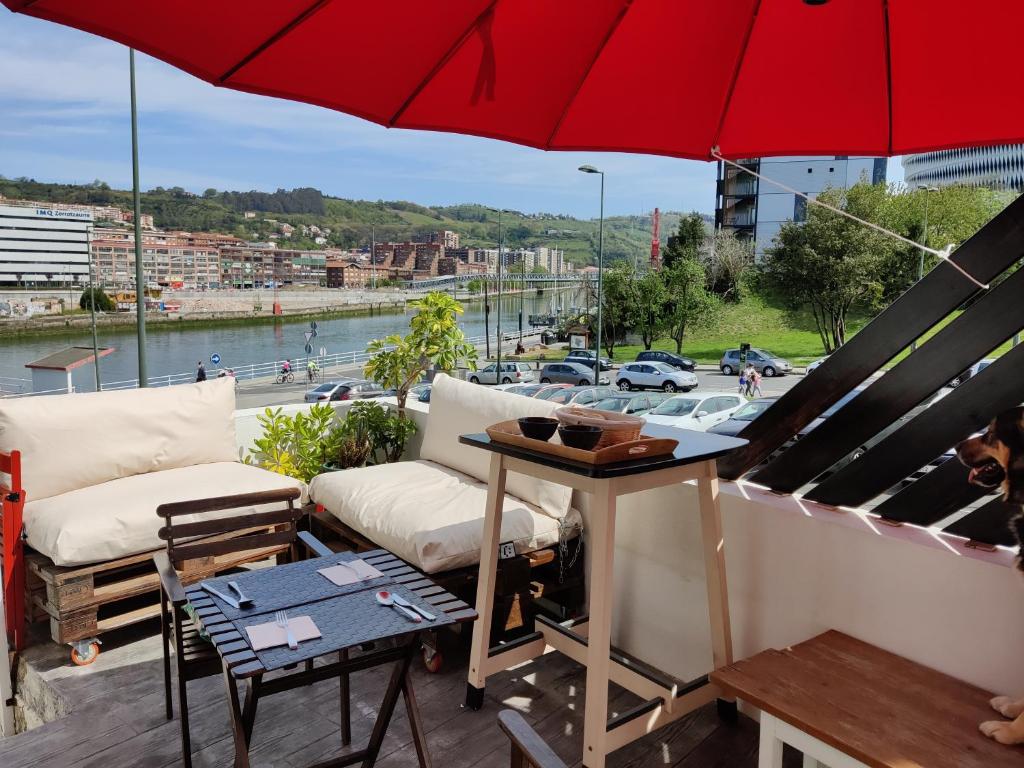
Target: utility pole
<point x="140" y="277"/>
<point x="498" y="369"/>
<point x="600" y="271"/>
<point x="924" y="241"/>
<point x="373" y="258"/>
<point x="92" y="313"/>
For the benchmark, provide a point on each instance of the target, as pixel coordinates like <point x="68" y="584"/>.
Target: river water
<point x="176" y="350"/>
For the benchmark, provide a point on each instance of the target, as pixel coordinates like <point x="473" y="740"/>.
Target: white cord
<point x="942" y="255"/>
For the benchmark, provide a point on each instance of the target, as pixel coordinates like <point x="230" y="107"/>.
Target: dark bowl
<point x="580" y="436"/>
<point x="538" y="427"/>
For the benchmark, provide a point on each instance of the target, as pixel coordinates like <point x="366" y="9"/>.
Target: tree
<point x="652" y="305"/>
<point x="727" y="260"/>
<point x="620" y="305"/>
<point x="830" y="263"/>
<point x="688" y="303"/>
<point x="434" y="340"/>
<point x="103" y="302"/>
<point x="687" y="241"/>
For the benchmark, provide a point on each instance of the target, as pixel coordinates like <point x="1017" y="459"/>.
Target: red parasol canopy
<point x="668" y="77"/>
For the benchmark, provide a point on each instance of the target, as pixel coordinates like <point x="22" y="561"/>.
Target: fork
<point x="281" y="617"/>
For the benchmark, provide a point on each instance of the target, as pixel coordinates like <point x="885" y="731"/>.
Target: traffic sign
<point x="323" y="351"/>
<point x="309" y="348"/>
<point x="215" y="358"/>
<point x="309" y="335"/>
<point x="312" y="324"/>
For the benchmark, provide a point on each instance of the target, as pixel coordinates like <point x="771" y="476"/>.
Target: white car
<point x="511" y="373"/>
<point x="654" y="375"/>
<point x="696" y="412"/>
<point x="813" y="366"/>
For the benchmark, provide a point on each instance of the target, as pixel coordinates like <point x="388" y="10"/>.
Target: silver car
<point x="569" y="373"/>
<point x="654" y="375"/>
<point x="764" y="362"/>
<point x="584" y="397"/>
<point x="346" y="389"/>
<point x="511" y="373"/>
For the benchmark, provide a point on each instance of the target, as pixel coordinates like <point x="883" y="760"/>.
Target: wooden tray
<point x="508" y="432"/>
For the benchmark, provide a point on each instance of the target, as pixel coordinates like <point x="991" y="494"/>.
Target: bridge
<point x="492" y="277"/>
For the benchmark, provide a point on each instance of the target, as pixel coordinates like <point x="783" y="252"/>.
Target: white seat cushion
<point x="456" y="408"/>
<point x="427" y="514"/>
<point x="75" y="441"/>
<point x="118" y="518"/>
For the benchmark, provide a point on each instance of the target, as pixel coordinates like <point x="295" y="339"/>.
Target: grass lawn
<point x="791" y="335"/>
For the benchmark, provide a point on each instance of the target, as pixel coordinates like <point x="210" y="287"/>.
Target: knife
<point x="406" y="604"/>
<point x="217" y="593"/>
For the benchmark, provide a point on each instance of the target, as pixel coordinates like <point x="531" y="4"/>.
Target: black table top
<point x="346" y="616"/>
<point x="693" y="447"/>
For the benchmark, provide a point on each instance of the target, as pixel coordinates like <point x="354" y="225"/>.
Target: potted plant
<point x="434" y="341"/>
<point x="297" y="446"/>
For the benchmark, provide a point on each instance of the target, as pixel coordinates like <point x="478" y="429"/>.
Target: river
<point x="176" y="350"/>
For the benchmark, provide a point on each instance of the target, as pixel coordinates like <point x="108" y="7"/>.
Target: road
<point x="266" y="392"/>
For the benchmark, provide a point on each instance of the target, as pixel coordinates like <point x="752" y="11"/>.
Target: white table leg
<point x="770" y="752"/>
<point x="601" y="543"/>
<point x="485" y="583"/>
<point x="714" y="566"/>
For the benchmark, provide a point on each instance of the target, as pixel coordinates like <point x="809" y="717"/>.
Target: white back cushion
<point x="458" y="407"/>
<point x="75" y="441"/>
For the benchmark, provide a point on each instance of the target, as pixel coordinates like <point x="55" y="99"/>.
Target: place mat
<point x="344" y="621"/>
<point x="270" y="634"/>
<point x="283" y="586"/>
<point x="350" y="572"/>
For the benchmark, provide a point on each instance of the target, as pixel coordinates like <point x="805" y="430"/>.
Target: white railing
<point x="328" y="364"/>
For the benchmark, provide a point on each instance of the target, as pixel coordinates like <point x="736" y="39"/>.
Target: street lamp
<point x="600" y="270"/>
<point x="924" y="241"/>
<point x="499" y="211"/>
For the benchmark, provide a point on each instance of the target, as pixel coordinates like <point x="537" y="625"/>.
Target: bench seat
<point x="430" y="515"/>
<point x="118" y="518"/>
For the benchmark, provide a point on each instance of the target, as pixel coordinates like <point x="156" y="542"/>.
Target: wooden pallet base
<point x="82" y="602"/>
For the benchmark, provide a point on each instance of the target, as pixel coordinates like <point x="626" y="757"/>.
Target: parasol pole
<point x="140" y="279"/>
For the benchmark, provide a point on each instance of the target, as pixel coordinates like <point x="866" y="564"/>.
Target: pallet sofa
<point x="430" y="511"/>
<point x="83" y="475"/>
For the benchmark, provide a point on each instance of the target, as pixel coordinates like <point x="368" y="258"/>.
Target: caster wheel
<point x="86" y="655"/>
<point x="432" y="660"/>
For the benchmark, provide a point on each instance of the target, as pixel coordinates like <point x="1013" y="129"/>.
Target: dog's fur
<point x="996" y="459"/>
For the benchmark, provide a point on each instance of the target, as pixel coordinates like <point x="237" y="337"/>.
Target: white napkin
<point x="270" y="635"/>
<point x="350" y="572"/>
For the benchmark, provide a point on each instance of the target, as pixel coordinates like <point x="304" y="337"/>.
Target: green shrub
<point x="103" y="302"/>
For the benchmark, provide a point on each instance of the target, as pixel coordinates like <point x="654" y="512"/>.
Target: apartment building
<point x="166" y="261"/>
<point x="347" y="274"/>
<point x="260" y="265"/>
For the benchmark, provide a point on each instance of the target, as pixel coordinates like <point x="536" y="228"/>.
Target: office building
<point x="45" y="246"/>
<point x="756" y="210"/>
<point x="997" y="167"/>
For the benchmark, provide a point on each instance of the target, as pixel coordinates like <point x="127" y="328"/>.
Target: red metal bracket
<point x="12" y="559"/>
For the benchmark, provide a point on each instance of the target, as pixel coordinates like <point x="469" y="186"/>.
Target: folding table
<point x="587" y="640"/>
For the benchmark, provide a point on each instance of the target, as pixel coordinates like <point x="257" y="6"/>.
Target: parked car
<point x="630" y="404"/>
<point x="547" y="391"/>
<point x="654" y="375"/>
<point x="586" y="357"/>
<point x="583" y="396"/>
<point x="527" y="390"/>
<point x="350" y="389"/>
<point x="696" y="412"/>
<point x="814" y="366"/>
<point x="569" y="373"/>
<point x="746" y="414"/>
<point x="511" y="373"/>
<point x="764" y="362"/>
<point x="669" y="358"/>
<point x="974" y="370"/>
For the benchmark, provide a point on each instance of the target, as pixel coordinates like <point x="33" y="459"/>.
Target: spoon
<point x="385" y="598"/>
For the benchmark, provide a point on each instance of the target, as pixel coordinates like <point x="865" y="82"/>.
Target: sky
<point x="64" y="117"/>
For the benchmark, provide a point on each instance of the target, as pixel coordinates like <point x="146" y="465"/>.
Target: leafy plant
<point x="387" y="432"/>
<point x="434" y="339"/>
<point x="103" y="302"/>
<point x="298" y="446"/>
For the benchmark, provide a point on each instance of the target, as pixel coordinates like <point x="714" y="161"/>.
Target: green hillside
<point x="352" y="221"/>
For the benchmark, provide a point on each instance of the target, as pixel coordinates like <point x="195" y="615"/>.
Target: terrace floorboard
<point x="116" y="718"/>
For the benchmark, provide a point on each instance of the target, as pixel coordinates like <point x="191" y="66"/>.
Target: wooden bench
<point x="847" y="704"/>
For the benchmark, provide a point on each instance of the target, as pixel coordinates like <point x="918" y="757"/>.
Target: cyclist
<point x="312" y="369"/>
<point x="286" y="367"/>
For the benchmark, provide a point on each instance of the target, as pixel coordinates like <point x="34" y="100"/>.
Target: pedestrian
<point x="200" y="372"/>
<point x="743" y="381"/>
<point x="751" y="373"/>
<point x="756" y="391"/>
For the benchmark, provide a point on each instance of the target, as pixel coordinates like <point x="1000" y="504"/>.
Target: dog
<point x="996" y="460"/>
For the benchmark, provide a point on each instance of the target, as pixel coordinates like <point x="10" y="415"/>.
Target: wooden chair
<point x="275" y="530"/>
<point x="528" y="749"/>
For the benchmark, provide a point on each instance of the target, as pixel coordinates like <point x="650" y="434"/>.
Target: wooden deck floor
<point x="117" y="719"/>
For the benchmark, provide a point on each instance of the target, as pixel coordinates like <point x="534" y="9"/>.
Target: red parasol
<point x="668" y="77"/>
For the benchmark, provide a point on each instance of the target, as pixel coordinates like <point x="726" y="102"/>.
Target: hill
<point x="353" y="221"/>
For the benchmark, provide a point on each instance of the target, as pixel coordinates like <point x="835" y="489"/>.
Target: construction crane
<point x="655" y="241"/>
